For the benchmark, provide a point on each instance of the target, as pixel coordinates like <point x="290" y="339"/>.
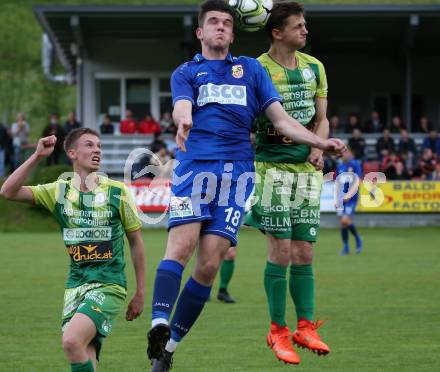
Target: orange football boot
<point x="278" y="340"/>
<point x="306" y="336"/>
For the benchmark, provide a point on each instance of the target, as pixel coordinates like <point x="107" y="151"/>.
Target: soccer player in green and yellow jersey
<point x="94" y="214"/>
<point x="289" y="213"/>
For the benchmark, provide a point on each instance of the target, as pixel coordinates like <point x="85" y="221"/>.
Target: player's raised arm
<point x="12" y="188"/>
<point x="291" y="128"/>
<point x="136" y="305"/>
<point x="182" y="116"/>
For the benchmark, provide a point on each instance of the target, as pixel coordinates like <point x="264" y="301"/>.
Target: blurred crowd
<point x="147" y="125"/>
<point x="388" y="148"/>
<point x="14" y="140"/>
<point x="395" y="151"/>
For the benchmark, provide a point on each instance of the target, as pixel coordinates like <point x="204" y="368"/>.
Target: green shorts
<point x="286" y="201"/>
<point x="101" y="302"/>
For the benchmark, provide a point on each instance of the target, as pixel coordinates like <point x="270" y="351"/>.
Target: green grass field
<point x="381" y="308"/>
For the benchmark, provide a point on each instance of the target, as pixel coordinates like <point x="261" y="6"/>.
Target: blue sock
<point x="353" y="230"/>
<point x="344" y="234"/>
<point x="166" y="288"/>
<point x="190" y="305"/>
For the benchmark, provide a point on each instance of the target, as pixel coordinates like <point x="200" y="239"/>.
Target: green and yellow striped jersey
<point x="93" y="225"/>
<point x="298" y="89"/>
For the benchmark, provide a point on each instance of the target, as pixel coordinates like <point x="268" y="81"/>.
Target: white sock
<point x="155" y="322"/>
<point x="171" y="345"/>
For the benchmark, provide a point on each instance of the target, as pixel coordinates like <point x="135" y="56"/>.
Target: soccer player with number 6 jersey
<point x="216" y="98"/>
<point x="291" y="222"/>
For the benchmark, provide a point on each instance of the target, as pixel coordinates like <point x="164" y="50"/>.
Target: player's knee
<point x="302" y="253"/>
<point x="230" y="254"/>
<point x="71" y="344"/>
<point x="180" y="252"/>
<point x="306" y="257"/>
<point x="279" y="253"/>
<point x="279" y="257"/>
<point x="302" y="259"/>
<point x="207" y="271"/>
<point x="345" y="221"/>
<point x="210" y="268"/>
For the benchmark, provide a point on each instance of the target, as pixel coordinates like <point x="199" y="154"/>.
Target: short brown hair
<point x="75" y="134"/>
<point x="281" y="10"/>
<point x="214" y="5"/>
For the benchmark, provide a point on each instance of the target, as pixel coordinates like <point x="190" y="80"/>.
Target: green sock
<point x="82" y="367"/>
<point x="302" y="290"/>
<point x="226" y="272"/>
<point x="275" y="284"/>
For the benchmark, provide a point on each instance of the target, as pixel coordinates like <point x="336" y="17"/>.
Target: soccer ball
<point x="251" y="15"/>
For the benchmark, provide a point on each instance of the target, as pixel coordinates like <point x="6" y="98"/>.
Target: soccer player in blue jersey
<point x="348" y="174"/>
<point x="216" y="97"/>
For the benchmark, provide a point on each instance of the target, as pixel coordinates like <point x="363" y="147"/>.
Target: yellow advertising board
<point x="400" y="196"/>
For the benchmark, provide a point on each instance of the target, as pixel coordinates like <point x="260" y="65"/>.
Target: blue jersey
<point x="227" y="95"/>
<point x="347" y="180"/>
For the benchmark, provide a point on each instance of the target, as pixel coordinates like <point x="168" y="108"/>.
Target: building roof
<point x="342" y="28"/>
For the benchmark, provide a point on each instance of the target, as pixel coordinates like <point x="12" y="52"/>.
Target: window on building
<point x="138" y="97"/>
<point x="109" y="98"/>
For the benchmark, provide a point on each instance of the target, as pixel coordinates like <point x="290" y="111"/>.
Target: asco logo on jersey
<point x="237" y="71"/>
<point x="224" y="94"/>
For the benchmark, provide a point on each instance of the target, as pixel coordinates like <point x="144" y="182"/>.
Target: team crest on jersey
<point x="308" y="75"/>
<point x="100" y="199"/>
<point x="237" y="71"/>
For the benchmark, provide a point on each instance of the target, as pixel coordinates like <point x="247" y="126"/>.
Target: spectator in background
<point x="432" y="142"/>
<point x="172" y="129"/>
<point x="353" y="123"/>
<point x="157" y="143"/>
<point x="166" y="122"/>
<point x="162" y="159"/>
<point x="427" y="164"/>
<point x="20" y="137"/>
<point x="374" y="124"/>
<point x="425" y="125"/>
<point x="436" y="174"/>
<point x="148" y="125"/>
<point x="71" y="123"/>
<point x="406" y="143"/>
<point x="4" y="141"/>
<point x="107" y="126"/>
<point x="357" y="145"/>
<point x="407" y="150"/>
<point x="397" y="124"/>
<point x="330" y="164"/>
<point x="54" y="128"/>
<point x="335" y="125"/>
<point x="385" y="144"/>
<point x="388" y="165"/>
<point x="128" y="125"/>
<point x="399" y="173"/>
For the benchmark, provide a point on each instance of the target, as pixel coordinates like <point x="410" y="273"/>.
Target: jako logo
<point x="223" y="94"/>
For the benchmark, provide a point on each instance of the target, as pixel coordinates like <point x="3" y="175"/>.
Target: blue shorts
<point x="348" y="209"/>
<point x="213" y="192"/>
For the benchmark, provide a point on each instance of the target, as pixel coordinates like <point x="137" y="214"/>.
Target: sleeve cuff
<point x="183" y="98"/>
<point x="269" y="102"/>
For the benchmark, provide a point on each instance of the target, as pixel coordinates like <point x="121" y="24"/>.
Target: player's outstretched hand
<point x="135" y="307"/>
<point x="45" y="146"/>
<point x="335" y="146"/>
<point x="182" y="135"/>
<point x="316" y="159"/>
